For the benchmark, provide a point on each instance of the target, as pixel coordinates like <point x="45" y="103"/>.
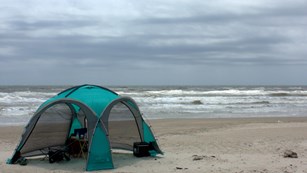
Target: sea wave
<point x="229" y="92"/>
<point x="261" y="102"/>
<point x="19" y="99"/>
<point x="166" y="102"/>
<point x="283" y="94"/>
<point x="24" y="97"/>
<point x="197" y="102"/>
<point x="17" y="111"/>
<point x="280" y="94"/>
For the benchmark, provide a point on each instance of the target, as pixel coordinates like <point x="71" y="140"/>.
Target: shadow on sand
<point x="120" y="159"/>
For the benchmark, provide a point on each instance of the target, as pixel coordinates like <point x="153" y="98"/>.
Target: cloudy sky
<point x="173" y="42"/>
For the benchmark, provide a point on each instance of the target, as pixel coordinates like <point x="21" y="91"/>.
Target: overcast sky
<point x="161" y="42"/>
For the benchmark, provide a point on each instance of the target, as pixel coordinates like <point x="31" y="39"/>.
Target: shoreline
<point x="196" y="145"/>
<point x="253" y="118"/>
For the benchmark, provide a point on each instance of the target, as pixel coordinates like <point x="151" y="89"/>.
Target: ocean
<point x="18" y="103"/>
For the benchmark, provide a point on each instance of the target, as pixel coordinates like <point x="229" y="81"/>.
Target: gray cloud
<point x="140" y="40"/>
<point x="24" y="26"/>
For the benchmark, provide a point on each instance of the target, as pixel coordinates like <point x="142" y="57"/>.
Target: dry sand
<point x="196" y="145"/>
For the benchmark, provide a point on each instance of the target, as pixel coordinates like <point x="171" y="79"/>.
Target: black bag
<point x="141" y="149"/>
<point x="57" y="156"/>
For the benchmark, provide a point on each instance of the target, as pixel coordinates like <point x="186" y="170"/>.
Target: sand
<point x="196" y="145"/>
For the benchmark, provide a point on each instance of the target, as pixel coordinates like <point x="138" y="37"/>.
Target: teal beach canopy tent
<point x="112" y="121"/>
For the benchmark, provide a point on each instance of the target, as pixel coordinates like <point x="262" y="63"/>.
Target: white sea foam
<point x="191" y="93"/>
<point x="17" y="111"/>
<point x="24" y="97"/>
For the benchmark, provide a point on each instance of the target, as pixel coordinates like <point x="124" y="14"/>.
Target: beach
<point x="239" y="145"/>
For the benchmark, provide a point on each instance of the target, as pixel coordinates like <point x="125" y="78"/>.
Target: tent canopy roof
<point x="95" y="97"/>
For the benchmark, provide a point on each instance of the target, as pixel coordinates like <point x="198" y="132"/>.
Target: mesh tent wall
<point x="112" y="122"/>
